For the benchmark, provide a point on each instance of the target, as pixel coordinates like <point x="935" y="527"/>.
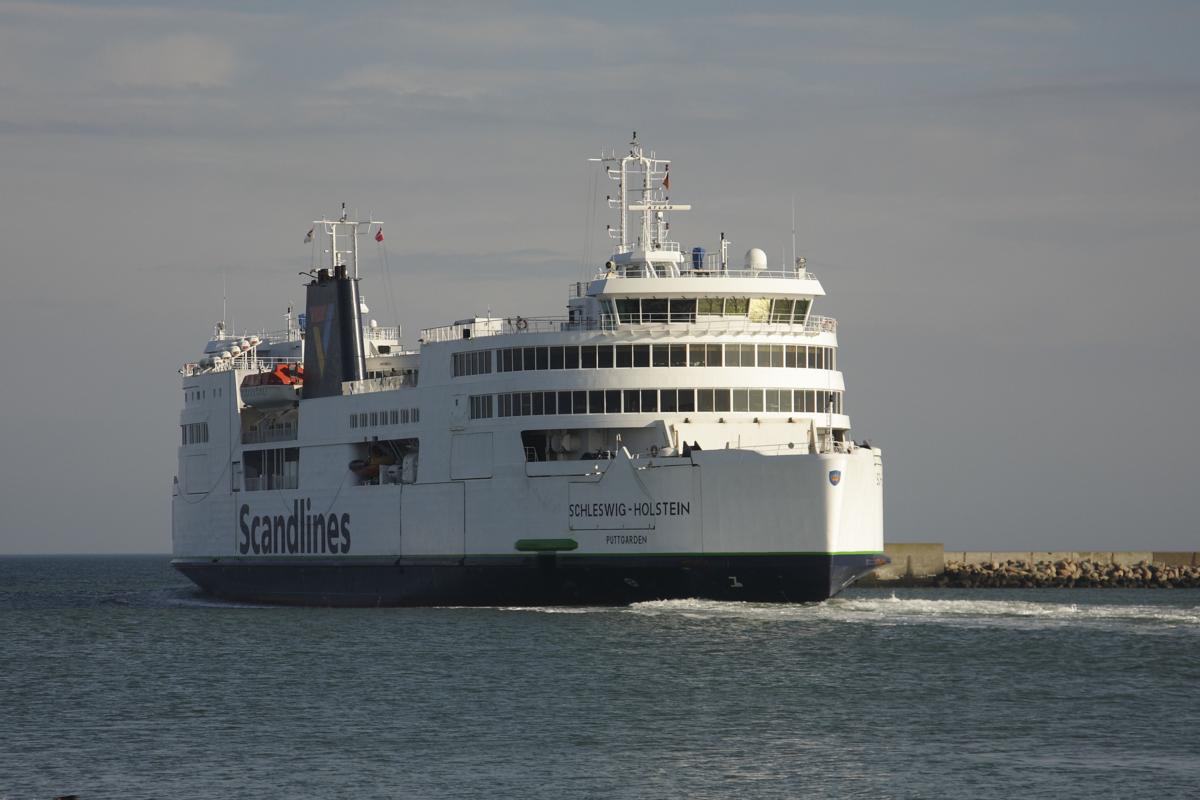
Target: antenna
<point x="224" y="299"/>
<point x="793" y="229"/>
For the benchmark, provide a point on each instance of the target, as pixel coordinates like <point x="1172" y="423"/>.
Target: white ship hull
<point x="730" y="524"/>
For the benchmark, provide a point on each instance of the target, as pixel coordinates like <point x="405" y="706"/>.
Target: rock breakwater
<point x="1067" y="573"/>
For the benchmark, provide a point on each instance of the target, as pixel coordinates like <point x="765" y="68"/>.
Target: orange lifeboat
<point x="277" y="388"/>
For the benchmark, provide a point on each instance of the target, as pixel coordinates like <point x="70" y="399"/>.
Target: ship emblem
<point x="835" y="476"/>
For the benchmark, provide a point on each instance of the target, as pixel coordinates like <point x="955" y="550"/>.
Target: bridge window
<point x="737" y="306"/>
<point x="683" y="309"/>
<point x="629" y="310"/>
<point x="655" y="311"/>
<point x="781" y="309"/>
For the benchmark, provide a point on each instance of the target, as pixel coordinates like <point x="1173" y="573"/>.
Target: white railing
<point x="369" y="385"/>
<point x="274" y="433"/>
<point x="685" y="271"/>
<point x="245" y="361"/>
<point x="822" y="446"/>
<point x="649" y="324"/>
<point x="659" y="247"/>
<point x="266" y="482"/>
<point x="386" y="333"/>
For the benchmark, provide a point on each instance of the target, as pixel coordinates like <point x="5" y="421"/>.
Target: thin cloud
<point x="1034" y="24"/>
<point x="443" y="84"/>
<point x="171" y="62"/>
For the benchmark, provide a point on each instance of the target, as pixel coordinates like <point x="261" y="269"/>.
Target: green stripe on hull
<point x="542" y="545"/>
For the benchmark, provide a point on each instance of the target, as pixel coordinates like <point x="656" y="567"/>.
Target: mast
<point x="649" y="199"/>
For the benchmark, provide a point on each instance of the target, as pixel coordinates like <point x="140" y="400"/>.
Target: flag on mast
<point x="379" y="234"/>
<point x="308" y="236"/>
<point x="667" y="178"/>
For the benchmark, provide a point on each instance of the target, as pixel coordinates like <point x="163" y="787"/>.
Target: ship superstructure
<point x="681" y="432"/>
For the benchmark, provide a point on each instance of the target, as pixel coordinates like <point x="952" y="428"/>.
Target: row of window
<point x="755" y="309"/>
<point x="608" y="356"/>
<point x="394" y="416"/>
<point x="194" y="432"/>
<point x="193" y="395"/>
<point x="278" y="468"/>
<point x="477" y="362"/>
<point x="641" y="401"/>
<point x="481" y="406"/>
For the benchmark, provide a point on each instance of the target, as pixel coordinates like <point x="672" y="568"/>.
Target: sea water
<point x="118" y="679"/>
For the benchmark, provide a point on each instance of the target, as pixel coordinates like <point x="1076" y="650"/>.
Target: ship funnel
<point x="333" y="344"/>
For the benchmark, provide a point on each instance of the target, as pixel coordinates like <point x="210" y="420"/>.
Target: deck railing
<point x="648" y="325"/>
<point x="710" y="269"/>
<point x="275" y="433"/>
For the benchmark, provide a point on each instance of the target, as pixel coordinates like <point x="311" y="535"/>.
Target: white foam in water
<point x="554" y="609"/>
<point x="895" y="610"/>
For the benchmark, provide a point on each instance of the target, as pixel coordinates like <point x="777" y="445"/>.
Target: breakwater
<point x="929" y="564"/>
<point x="1068" y="573"/>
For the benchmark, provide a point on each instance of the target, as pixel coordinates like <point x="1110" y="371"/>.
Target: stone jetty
<point x="1067" y="573"/>
<point x="930" y="564"/>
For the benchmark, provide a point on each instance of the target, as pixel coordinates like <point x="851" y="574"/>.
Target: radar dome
<point x="756" y="258"/>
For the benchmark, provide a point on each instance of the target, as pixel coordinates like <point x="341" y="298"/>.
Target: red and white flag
<point x="379" y="234"/>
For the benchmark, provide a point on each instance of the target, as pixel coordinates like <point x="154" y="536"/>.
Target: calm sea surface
<point x="118" y="680"/>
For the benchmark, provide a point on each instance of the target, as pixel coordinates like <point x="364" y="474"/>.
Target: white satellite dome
<point x="756" y="258"/>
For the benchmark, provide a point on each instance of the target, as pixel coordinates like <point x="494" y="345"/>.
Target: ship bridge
<point x="650" y="279"/>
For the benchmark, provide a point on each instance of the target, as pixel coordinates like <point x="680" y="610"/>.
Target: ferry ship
<point x="680" y="433"/>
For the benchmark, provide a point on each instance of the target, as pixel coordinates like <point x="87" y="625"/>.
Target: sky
<point x="1002" y="201"/>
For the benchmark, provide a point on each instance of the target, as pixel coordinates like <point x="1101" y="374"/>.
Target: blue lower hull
<point x="533" y="580"/>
